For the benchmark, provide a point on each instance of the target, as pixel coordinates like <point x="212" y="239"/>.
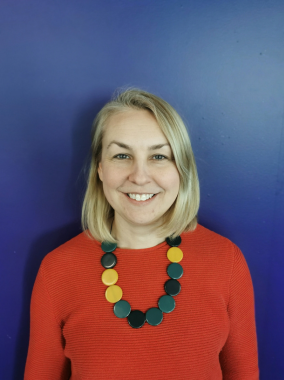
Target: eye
<point x="121" y="156"/>
<point x="159" y="157"/>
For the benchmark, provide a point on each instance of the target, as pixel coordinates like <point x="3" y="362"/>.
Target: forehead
<point x="135" y="125"/>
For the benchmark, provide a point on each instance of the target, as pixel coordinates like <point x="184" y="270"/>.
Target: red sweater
<point x="209" y="335"/>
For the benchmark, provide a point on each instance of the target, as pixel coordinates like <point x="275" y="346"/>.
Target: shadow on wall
<point x="42" y="245"/>
<point x="74" y="192"/>
<point x="81" y="152"/>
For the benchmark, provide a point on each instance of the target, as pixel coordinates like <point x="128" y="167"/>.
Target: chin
<point x="142" y="221"/>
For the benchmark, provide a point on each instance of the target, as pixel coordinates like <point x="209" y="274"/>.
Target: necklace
<point x="166" y="303"/>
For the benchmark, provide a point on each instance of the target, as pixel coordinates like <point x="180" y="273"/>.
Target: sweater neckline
<point x="141" y="250"/>
<point x="119" y="250"/>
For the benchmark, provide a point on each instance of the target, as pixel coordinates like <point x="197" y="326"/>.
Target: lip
<point x="135" y="192"/>
<point x="140" y="203"/>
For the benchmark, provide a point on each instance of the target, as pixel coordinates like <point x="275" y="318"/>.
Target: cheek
<point x="170" y="181"/>
<point x="175" y="184"/>
<point x="108" y="188"/>
<point x="111" y="179"/>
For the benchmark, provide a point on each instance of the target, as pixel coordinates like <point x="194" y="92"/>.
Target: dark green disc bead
<point x="154" y="316"/>
<point x="174" y="242"/>
<point x="108" y="246"/>
<point x="166" y="304"/>
<point x="175" y="271"/>
<point x="122" y="309"/>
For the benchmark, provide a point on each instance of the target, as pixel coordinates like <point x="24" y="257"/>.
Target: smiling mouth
<point x="140" y="197"/>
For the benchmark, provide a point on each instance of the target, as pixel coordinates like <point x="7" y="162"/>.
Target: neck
<point x="135" y="237"/>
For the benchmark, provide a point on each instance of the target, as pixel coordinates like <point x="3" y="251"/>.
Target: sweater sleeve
<point x="239" y="360"/>
<point x="46" y="359"/>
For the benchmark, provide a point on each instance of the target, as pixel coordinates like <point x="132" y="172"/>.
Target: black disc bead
<point x="172" y="287"/>
<point x="136" y="319"/>
<point x="174" y="242"/>
<point x="108" y="260"/>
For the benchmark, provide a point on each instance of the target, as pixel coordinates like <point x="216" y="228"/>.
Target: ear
<point x="100" y="171"/>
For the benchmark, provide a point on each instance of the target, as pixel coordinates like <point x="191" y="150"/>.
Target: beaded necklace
<point x="166" y="303"/>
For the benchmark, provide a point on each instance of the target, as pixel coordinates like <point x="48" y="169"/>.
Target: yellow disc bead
<point x="109" y="277"/>
<point x="175" y="254"/>
<point x="113" y="293"/>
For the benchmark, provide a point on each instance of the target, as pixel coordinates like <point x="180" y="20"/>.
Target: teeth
<point x="141" y="197"/>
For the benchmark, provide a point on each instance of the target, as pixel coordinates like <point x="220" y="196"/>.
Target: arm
<point x="46" y="359"/>
<point x="239" y="355"/>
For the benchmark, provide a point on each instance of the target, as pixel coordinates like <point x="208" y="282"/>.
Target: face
<point x="137" y="169"/>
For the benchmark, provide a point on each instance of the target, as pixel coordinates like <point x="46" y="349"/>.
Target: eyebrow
<point x="125" y="146"/>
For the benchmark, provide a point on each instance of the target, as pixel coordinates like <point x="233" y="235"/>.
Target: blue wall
<point x="220" y="63"/>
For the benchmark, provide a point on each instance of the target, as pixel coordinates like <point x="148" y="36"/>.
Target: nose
<point x="139" y="173"/>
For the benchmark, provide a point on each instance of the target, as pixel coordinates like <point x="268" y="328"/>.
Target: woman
<point x="144" y="292"/>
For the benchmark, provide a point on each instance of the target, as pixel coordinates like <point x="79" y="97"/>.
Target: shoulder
<point x="75" y="254"/>
<point x="208" y="241"/>
<point x="67" y="273"/>
<point x="212" y="251"/>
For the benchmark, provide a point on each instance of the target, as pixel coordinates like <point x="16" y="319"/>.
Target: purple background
<point x="220" y="63"/>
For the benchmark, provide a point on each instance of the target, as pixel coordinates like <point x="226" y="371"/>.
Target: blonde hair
<point x="97" y="214"/>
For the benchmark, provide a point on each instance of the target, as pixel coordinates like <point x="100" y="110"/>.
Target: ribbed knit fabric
<point x="210" y="334"/>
